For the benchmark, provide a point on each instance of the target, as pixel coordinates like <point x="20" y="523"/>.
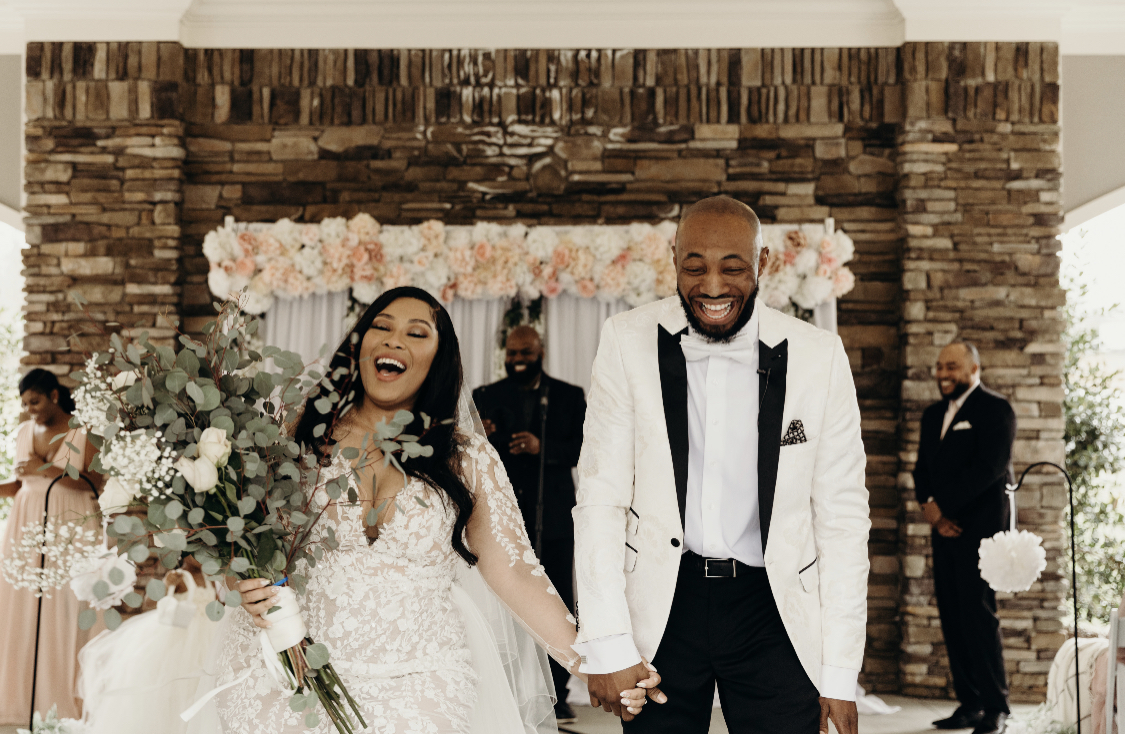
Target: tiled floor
<point x="914" y="718"/>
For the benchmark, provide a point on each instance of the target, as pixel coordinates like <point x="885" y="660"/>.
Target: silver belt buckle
<point x="707" y="568"/>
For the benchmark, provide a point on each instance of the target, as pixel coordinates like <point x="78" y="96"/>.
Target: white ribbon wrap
<point x="287" y="630"/>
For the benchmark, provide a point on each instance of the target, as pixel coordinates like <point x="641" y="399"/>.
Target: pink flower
<point x="448" y="292"/>
<point x="482" y="250"/>
<point x="422" y="260"/>
<point x="501" y="285"/>
<point x="227" y="266"/>
<point x="623" y="259"/>
<point x="560" y="258"/>
<point x="244" y="267"/>
<point x="587" y="288"/>
<point x="376" y="251"/>
<point x="310" y="235"/>
<point x="461" y="260"/>
<point x="269" y="246"/>
<point x="843" y="283"/>
<point x="827" y="245"/>
<point x="654" y="247"/>
<point x="795" y="240"/>
<point x="365" y="273"/>
<point x="360" y="256"/>
<point x="666" y="280"/>
<point x="789" y="257"/>
<point x="582" y="265"/>
<point x="613" y="280"/>
<point x="468" y="287"/>
<point x="828" y="265"/>
<point x="364" y="226"/>
<point x="551" y="288"/>
<point x="396" y="276"/>
<point x="248" y="241"/>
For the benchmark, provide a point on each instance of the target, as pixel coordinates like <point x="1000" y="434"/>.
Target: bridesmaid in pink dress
<point x="49" y="405"/>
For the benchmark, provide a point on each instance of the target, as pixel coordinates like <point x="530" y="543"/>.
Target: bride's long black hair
<point x="437" y="398"/>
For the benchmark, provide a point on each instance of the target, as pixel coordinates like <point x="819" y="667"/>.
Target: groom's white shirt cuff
<point x="838" y="683"/>
<point x="609" y="654"/>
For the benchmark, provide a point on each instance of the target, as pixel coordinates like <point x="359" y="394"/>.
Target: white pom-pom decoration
<point x="1012" y="561"/>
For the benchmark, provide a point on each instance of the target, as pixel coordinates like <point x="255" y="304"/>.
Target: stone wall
<point x="580" y="136"/>
<point x="979" y="185"/>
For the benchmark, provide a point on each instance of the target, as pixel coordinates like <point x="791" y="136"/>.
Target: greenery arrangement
<point x="199" y="463"/>
<point x="1094" y="407"/>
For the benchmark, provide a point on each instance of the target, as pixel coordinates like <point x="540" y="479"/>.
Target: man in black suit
<point x="512" y="411"/>
<point x="964" y="464"/>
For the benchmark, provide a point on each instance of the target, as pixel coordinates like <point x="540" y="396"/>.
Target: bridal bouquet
<point x="198" y="463"/>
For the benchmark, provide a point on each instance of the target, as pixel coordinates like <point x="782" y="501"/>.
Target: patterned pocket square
<point x="962" y="426"/>
<point x="795" y="434"/>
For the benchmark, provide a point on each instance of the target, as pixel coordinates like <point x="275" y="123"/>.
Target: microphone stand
<point x="1012" y="489"/>
<point x="542" y="466"/>
<point x="39" y="609"/>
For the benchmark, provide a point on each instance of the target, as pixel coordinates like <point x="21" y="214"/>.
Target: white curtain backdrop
<point x="304" y="325"/>
<point x="476" y="324"/>
<point x="573" y="331"/>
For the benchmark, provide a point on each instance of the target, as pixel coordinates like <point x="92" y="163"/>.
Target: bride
<point x="385" y="602"/>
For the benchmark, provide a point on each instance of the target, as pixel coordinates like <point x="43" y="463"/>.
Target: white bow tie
<point x="740" y="349"/>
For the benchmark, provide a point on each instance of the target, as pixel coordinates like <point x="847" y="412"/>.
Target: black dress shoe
<point x="962" y="718"/>
<point x="564" y="714"/>
<point x="993" y="722"/>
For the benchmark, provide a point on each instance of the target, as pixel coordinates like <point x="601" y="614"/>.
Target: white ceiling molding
<point x="1089" y="210"/>
<point x="1080" y="26"/>
<point x="11" y="217"/>
<point x="542" y="23"/>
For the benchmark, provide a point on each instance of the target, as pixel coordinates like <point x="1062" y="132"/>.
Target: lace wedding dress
<point x="388" y="610"/>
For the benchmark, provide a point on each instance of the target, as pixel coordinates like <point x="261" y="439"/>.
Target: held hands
<point x="623" y="693"/>
<point x="257" y="598"/>
<point x="842" y="713"/>
<point x="931" y="512"/>
<point x="523" y="443"/>
<point x="945" y="527"/>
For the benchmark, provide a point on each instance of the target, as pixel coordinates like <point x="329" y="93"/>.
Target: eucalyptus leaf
<point x="155" y="589"/>
<point x="420" y="501"/>
<point x="138" y="553"/>
<point x="195" y="516"/>
<point x="317" y="655"/>
<point x="238" y="564"/>
<point x="133" y="600"/>
<point x="112" y="618"/>
<point x="173" y="509"/>
<point x="211" y="566"/>
<point x="195" y="392"/>
<point x="299" y="518"/>
<point x="236" y="524"/>
<point x="311" y="719"/>
<point x="215" y="611"/>
<point x="116" y="576"/>
<point x="87" y="618"/>
<point x="233" y="598"/>
<point x="101" y="589"/>
<point x="246" y="505"/>
<point x="298" y="702"/>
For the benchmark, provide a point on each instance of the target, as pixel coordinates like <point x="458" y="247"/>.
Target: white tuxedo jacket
<point x="632" y="485"/>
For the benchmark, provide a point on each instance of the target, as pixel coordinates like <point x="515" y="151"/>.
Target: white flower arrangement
<point x="63" y="549"/>
<point x="104" y="581"/>
<point x="52" y="724"/>
<point x="489" y="260"/>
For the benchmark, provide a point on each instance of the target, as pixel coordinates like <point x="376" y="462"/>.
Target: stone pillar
<point x="103" y="178"/>
<point x="979" y="178"/>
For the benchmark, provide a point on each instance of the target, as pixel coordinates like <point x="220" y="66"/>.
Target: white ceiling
<point x="1082" y="27"/>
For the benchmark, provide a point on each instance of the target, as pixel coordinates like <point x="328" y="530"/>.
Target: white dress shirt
<point x="955" y="406"/>
<point x="721" y="513"/>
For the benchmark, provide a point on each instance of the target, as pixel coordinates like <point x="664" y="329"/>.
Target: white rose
<point x="219" y="282"/>
<point x="115" y="497"/>
<point x="214" y="446"/>
<point x="124" y="379"/>
<point x="200" y="473"/>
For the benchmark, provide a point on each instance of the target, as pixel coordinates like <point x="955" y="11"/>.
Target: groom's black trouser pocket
<point x="728" y="631"/>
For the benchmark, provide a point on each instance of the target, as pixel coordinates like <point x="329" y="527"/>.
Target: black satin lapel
<point x="772" y="365"/>
<point x="673" y="388"/>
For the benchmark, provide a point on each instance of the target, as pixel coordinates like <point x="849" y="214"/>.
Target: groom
<point x="722" y="518"/>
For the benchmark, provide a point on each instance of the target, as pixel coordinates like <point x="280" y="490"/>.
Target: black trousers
<point x="558" y="562"/>
<point x="728" y="630"/>
<point x="967" y="607"/>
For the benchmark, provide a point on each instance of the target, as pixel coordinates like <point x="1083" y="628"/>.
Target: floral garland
<point x="630" y="262"/>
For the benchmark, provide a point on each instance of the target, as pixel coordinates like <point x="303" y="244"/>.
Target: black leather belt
<point x="718" y="568"/>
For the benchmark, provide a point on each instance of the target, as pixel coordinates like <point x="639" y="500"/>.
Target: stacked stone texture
<point x="103" y="179"/>
<point x="549" y="137"/>
<point x="979" y="179"/>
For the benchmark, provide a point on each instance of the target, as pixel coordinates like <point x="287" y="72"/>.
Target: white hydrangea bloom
<point x="607" y="245"/>
<point x="807" y="261"/>
<point x="219" y="245"/>
<point x="401" y="243"/>
<point x="219" y="282"/>
<point x="813" y="292"/>
<point x="365" y="292"/>
<point x="333" y="229"/>
<point x="309" y="261"/>
<point x="541" y="242"/>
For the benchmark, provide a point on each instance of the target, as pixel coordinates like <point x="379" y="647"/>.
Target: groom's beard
<point x="724" y="334"/>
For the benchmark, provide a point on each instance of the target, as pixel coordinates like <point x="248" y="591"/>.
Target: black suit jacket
<point x="566" y="411"/>
<point x="966" y="472"/>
